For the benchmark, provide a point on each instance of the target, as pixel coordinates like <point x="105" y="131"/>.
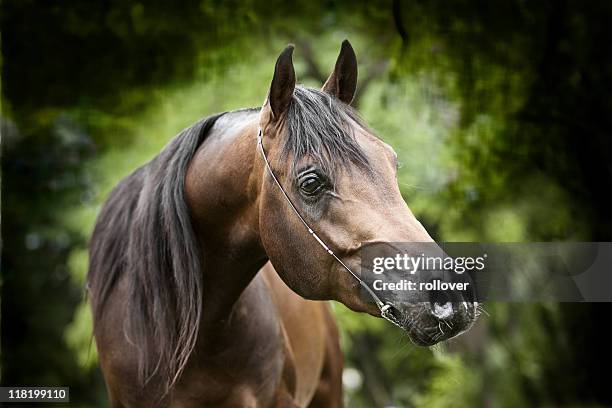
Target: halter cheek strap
<point x="385" y="308"/>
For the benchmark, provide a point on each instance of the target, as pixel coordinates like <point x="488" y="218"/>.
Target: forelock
<point x="323" y="128"/>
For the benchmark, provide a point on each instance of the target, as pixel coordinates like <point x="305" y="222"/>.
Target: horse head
<point x="330" y="189"/>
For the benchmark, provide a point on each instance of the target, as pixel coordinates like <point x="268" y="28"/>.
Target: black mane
<point x="145" y="232"/>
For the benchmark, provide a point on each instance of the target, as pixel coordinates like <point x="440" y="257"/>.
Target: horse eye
<point x="311" y="185"/>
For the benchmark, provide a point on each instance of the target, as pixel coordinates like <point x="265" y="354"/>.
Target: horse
<point x="210" y="266"/>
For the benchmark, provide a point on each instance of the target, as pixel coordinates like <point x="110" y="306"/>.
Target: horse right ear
<point x="343" y="81"/>
<point x="283" y="83"/>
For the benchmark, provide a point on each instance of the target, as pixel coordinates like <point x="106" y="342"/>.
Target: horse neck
<point x="221" y="186"/>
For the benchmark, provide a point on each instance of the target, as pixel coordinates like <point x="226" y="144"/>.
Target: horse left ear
<point x="343" y="81"/>
<point x="283" y="83"/>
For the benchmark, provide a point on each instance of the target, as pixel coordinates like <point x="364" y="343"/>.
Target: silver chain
<point x="385" y="309"/>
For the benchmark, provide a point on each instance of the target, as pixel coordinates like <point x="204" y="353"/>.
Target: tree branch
<point x="312" y="67"/>
<point x="374" y="71"/>
<point x="399" y="23"/>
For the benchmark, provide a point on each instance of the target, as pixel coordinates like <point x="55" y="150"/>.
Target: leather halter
<point x="385" y="308"/>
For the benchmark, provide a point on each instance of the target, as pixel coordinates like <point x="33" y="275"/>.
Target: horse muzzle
<point x="428" y="323"/>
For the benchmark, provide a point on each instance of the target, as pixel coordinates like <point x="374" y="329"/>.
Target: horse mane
<point x="144" y="232"/>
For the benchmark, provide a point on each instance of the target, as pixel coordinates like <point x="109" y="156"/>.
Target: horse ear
<point x="283" y="83"/>
<point x="343" y="81"/>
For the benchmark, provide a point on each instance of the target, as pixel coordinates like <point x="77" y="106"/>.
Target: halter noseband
<point x="385" y="308"/>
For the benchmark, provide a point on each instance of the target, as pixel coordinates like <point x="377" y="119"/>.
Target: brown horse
<point x="188" y="309"/>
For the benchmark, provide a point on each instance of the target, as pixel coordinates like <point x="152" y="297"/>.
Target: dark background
<point x="500" y="112"/>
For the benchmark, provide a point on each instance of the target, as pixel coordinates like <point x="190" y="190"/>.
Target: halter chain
<point x="385" y="309"/>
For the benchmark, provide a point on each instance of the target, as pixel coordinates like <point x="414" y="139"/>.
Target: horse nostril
<point x="442" y="310"/>
<point x="440" y="297"/>
<point x="440" y="305"/>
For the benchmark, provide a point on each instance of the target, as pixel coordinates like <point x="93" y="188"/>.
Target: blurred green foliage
<point x="498" y="113"/>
